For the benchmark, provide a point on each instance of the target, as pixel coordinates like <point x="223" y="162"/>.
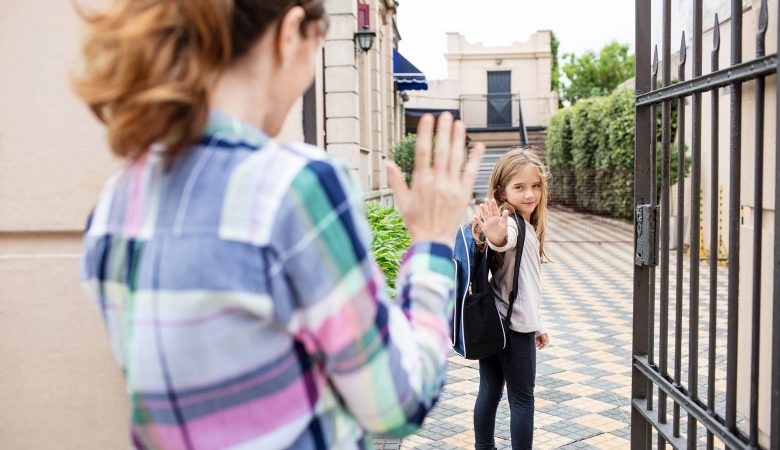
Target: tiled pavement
<point x="584" y="376"/>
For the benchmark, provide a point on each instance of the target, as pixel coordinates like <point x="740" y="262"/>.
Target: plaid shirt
<point x="244" y="306"/>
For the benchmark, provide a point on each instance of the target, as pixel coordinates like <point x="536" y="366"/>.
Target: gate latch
<point x="646" y="245"/>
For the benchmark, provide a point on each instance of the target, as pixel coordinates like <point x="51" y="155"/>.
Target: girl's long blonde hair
<point x="148" y="65"/>
<point x="510" y="163"/>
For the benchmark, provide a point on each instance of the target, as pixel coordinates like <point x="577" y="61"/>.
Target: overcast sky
<point x="580" y="25"/>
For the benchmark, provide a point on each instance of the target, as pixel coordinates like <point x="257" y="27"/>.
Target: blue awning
<point x="407" y="77"/>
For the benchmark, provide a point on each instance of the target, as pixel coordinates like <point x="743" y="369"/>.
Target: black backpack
<point x="483" y="332"/>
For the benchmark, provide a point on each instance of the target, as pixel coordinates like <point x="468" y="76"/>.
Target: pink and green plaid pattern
<point x="245" y="309"/>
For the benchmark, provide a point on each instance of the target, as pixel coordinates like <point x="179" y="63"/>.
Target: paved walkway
<point x="584" y="376"/>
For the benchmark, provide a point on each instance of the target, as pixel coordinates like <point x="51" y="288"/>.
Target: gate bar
<point x="680" y="246"/>
<point x="666" y="138"/>
<point x="663" y="331"/>
<point x="640" y="428"/>
<point x="714" y="219"/>
<point x="735" y="168"/>
<point x="651" y="291"/>
<point x="693" y="310"/>
<point x="758" y="208"/>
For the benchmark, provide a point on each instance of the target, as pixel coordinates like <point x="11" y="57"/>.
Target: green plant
<point x="615" y="177"/>
<point x="555" y="71"/>
<point x="559" y="157"/>
<point x="588" y="138"/>
<point x="389" y="239"/>
<point x="559" y="139"/>
<point x="403" y="155"/>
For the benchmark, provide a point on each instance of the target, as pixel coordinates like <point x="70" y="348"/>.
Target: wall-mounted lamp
<point x="365" y="39"/>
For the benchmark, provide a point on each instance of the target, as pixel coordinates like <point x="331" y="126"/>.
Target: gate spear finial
<point x="655" y="62"/>
<point x="763" y="18"/>
<point x="716" y="35"/>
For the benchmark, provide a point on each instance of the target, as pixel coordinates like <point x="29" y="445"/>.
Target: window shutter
<point x="363" y="17"/>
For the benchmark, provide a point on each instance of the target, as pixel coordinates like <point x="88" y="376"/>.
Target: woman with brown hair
<point x="234" y="273"/>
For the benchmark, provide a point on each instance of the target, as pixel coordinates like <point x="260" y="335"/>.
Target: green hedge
<point x="590" y="149"/>
<point x="389" y="239"/>
<point x="559" y="156"/>
<point x="616" y="162"/>
<point x="587" y="138"/>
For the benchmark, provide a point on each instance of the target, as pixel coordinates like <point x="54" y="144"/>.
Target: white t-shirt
<point x="526" y="317"/>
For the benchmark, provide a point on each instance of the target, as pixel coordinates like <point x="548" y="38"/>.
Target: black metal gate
<point x="705" y="408"/>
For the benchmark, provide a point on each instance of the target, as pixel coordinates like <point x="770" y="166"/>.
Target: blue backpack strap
<point x="463" y="256"/>
<point x="518" y="257"/>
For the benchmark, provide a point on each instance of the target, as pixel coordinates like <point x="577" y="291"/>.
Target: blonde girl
<point x="519" y="184"/>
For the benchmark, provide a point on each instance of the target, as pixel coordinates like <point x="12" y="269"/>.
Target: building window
<point x="499" y="99"/>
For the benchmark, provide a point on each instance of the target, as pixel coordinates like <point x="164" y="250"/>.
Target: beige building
<point x="61" y="387"/>
<point x="494" y="90"/>
<point x="358" y="113"/>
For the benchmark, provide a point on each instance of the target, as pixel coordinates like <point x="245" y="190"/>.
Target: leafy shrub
<point x="403" y="155"/>
<point x="590" y="149"/>
<point x="559" y="157"/>
<point x="588" y="137"/>
<point x="615" y="162"/>
<point x="389" y="239"/>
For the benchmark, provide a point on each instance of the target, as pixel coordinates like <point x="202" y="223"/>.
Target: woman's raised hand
<point x="493" y="222"/>
<point x="434" y="204"/>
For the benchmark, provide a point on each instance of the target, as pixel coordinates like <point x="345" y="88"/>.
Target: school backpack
<point x="478" y="330"/>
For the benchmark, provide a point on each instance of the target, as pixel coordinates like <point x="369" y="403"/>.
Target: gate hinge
<point x="646" y="245"/>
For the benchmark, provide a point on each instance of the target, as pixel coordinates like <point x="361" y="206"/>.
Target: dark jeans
<point x="515" y="365"/>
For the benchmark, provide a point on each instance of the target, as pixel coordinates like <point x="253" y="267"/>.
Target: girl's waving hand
<point x="493" y="222"/>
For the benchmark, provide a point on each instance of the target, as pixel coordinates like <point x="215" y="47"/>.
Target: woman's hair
<point x="148" y="64"/>
<point x="510" y="163"/>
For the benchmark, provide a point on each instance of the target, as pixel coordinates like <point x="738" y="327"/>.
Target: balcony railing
<point x="505" y="111"/>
